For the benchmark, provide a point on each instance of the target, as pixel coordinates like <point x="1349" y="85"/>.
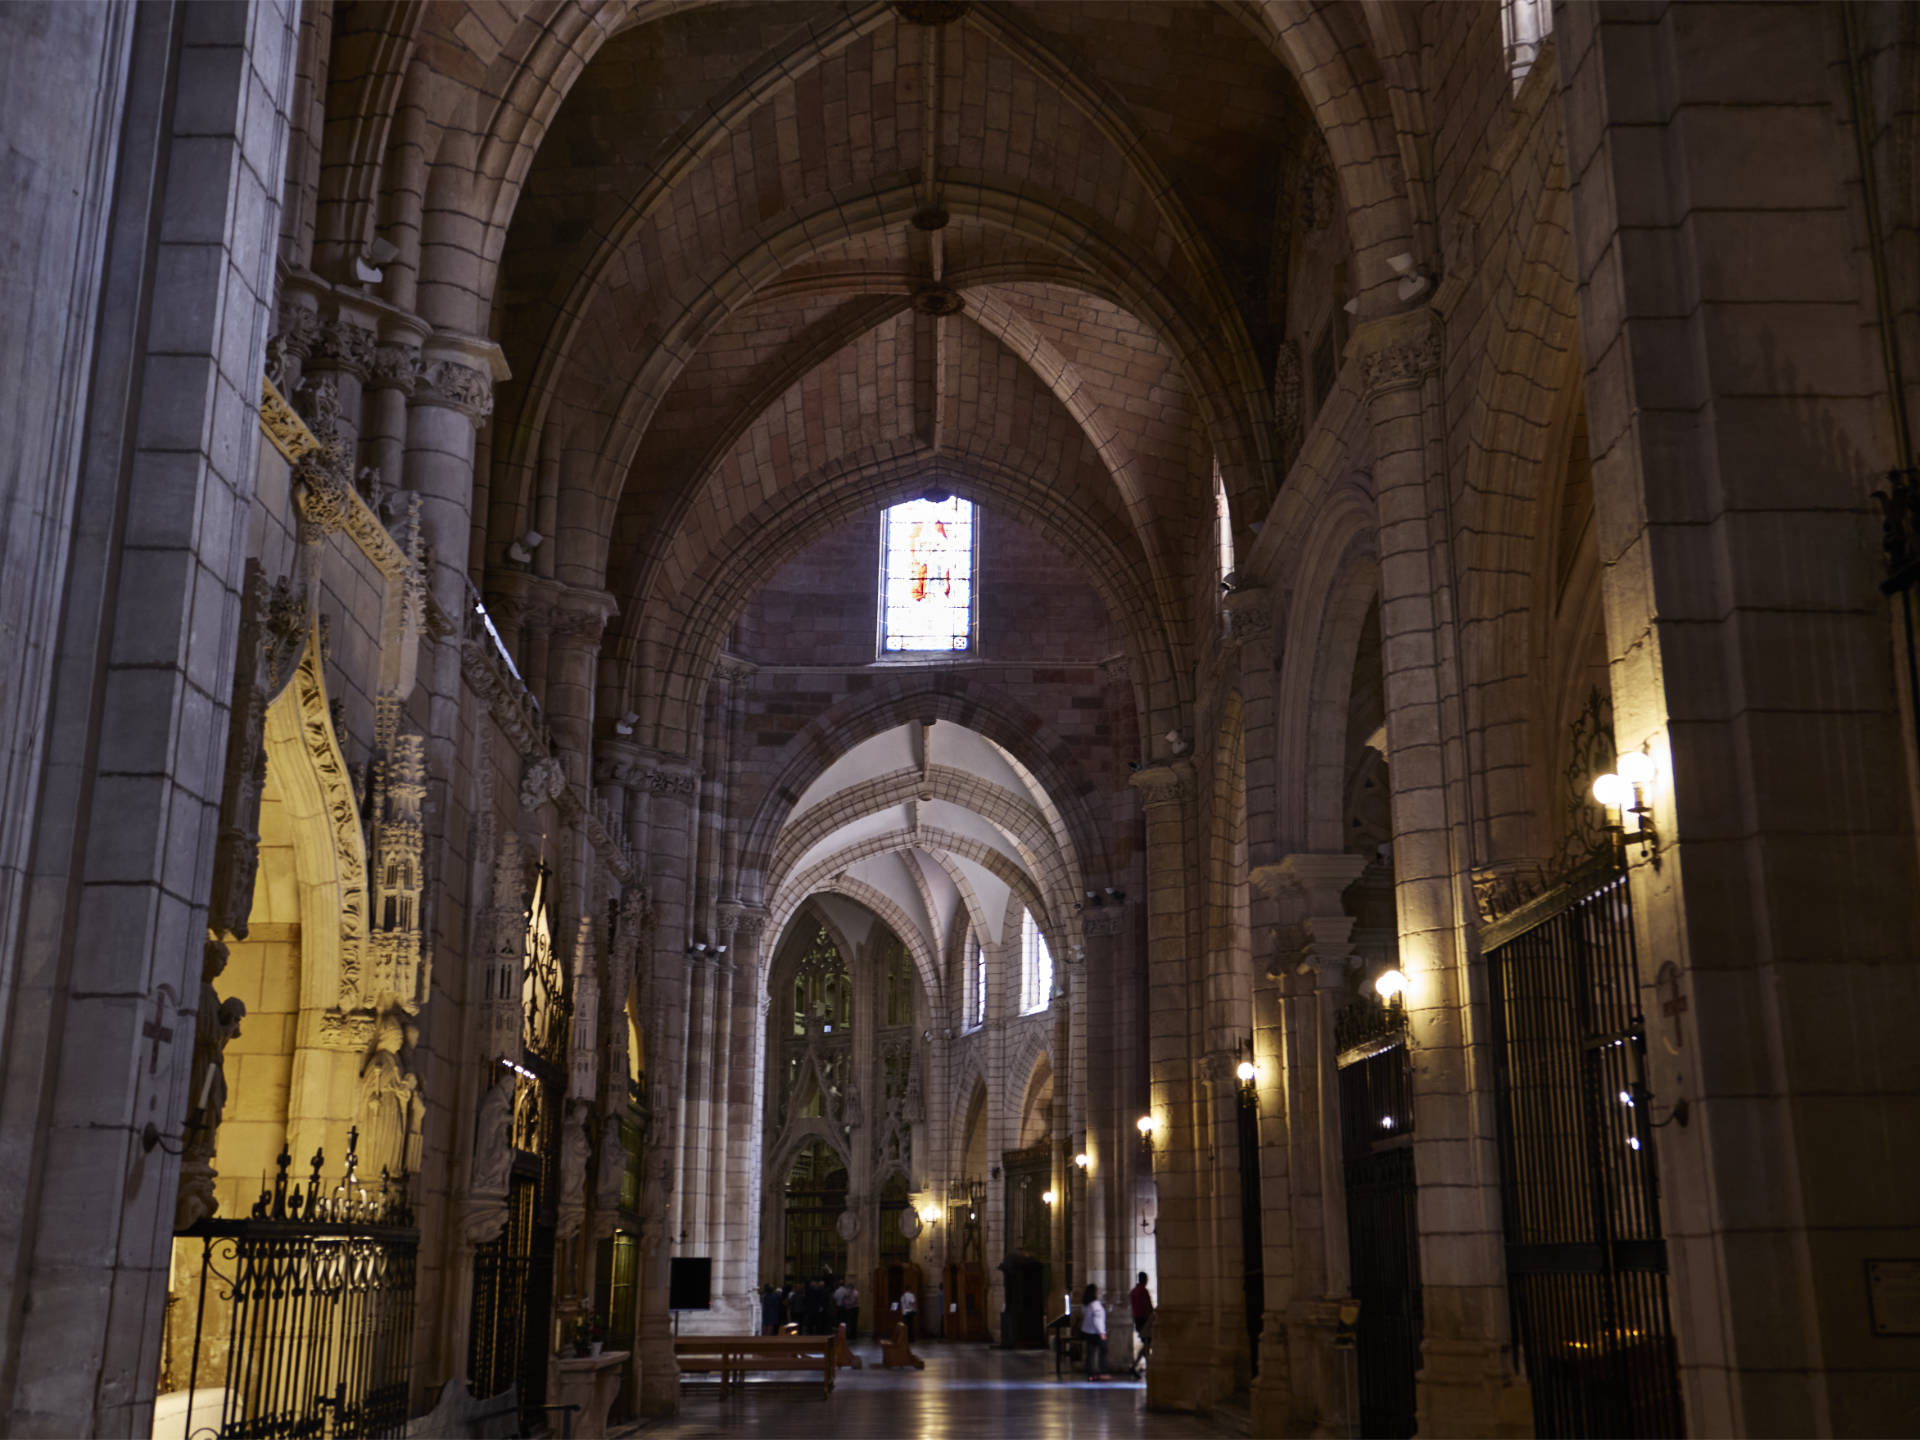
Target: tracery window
<point x="926" y="577"/>
<point x="975" y="986"/>
<point x="1036" y="967"/>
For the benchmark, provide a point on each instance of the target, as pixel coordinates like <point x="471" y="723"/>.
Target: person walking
<point x="852" y="1312"/>
<point x="1140" y="1300"/>
<point x="1093" y="1332"/>
<point x="839" y="1305"/>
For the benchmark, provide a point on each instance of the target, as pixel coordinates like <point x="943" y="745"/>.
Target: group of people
<point x="1093" y="1327"/>
<point x="812" y="1306"/>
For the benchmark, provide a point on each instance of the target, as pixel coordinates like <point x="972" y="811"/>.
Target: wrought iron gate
<point x="510" y="1337"/>
<point x="312" y="1298"/>
<point x="1586" y="1261"/>
<point x="1383" y="1236"/>
<point x="1253" y="1251"/>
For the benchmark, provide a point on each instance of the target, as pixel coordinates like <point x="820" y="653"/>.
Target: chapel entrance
<point x="816" y="1197"/>
<point x="1586" y="1258"/>
<point x="1383" y="1233"/>
<point x="1028" y="1263"/>
<point x="510" y="1337"/>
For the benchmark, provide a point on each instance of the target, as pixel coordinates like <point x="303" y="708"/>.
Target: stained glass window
<point x="1036" y="967"/>
<point x="926" y="567"/>
<point x="976" y="988"/>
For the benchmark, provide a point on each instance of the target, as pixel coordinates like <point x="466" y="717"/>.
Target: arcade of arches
<point x="490" y="791"/>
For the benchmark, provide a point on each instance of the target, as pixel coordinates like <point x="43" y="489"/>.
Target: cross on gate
<point x="157" y="1031"/>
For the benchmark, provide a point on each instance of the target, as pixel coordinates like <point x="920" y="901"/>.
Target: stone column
<point x="1467" y="1381"/>
<point x="579" y="618"/>
<point x="1186" y="1374"/>
<point x="662" y="830"/>
<point x="740" y="1196"/>
<point x="719" y="1091"/>
<point x="1311" y="970"/>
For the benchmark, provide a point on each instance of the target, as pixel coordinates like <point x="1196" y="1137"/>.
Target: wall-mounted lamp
<point x="521" y="551"/>
<point x="1625" y="790"/>
<point x="930" y="1214"/>
<point x="1390" y="985"/>
<point x="1146" y="1125"/>
<point x="1083" y="1160"/>
<point x="1046" y="1197"/>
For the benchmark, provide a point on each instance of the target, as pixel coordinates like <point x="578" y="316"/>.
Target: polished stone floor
<point x="966" y="1391"/>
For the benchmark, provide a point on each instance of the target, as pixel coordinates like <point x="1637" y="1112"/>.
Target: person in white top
<point x="908" y="1304"/>
<point x="1093" y="1332"/>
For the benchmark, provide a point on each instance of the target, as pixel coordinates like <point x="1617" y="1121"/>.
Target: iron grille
<point x="1253" y="1257"/>
<point x="1383" y="1239"/>
<point x="304" y="1309"/>
<point x="1586" y="1260"/>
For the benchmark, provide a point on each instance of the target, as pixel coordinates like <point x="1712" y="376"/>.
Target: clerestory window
<point x="976" y="985"/>
<point x="1036" y="967"/>
<point x="926" y="577"/>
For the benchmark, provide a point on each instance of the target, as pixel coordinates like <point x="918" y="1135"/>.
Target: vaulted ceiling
<point x="774" y="265"/>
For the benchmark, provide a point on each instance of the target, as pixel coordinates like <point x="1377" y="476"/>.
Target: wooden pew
<point x="732" y="1357"/>
<point x="898" y="1352"/>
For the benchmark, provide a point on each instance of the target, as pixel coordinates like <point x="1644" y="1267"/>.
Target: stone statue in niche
<point x="391" y="1109"/>
<point x="916" y="1105"/>
<point x="852" y="1115"/>
<point x="493" y="1140"/>
<point x="215" y="1023"/>
<point x="576" y="1144"/>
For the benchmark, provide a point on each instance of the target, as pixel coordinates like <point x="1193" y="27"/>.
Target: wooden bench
<point x="897" y="1353"/>
<point x="732" y="1357"/>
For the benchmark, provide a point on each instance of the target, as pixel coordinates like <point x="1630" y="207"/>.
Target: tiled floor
<point x="967" y="1392"/>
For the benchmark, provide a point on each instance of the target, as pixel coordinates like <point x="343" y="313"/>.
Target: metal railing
<point x="1586" y="1261"/>
<point x="304" y="1309"/>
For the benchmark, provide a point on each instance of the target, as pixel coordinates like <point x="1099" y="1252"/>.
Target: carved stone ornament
<point x="1289" y="400"/>
<point x="542" y="781"/>
<point x="299" y="327"/>
<point x="576" y="1146"/>
<point x="848" y="1224"/>
<point x="395" y="367"/>
<point x="458" y="387"/>
<point x="1319" y="187"/>
<point x="483" y="1212"/>
<point x="282" y="425"/>
<point x="1401" y="362"/>
<point x="391" y="1109"/>
<point x="323" y="476"/>
<point x="345" y="345"/>
<point x="1163" y="784"/>
<point x="216" y="1022"/>
<point x="1108" y="920"/>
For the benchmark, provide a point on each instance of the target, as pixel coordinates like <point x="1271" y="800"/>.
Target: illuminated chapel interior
<point x="663" y="658"/>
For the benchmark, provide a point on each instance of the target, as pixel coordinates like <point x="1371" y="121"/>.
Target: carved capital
<point x="457" y="386"/>
<point x="579" y="617"/>
<point x="1166" y="784"/>
<point x="395" y="367"/>
<point x="731" y="669"/>
<point x="1397" y="352"/>
<point x="1249" y="612"/>
<point x="299" y="326"/>
<point x="345" y="344"/>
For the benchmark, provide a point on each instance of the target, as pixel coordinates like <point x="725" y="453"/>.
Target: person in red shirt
<point x="1142" y="1303"/>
